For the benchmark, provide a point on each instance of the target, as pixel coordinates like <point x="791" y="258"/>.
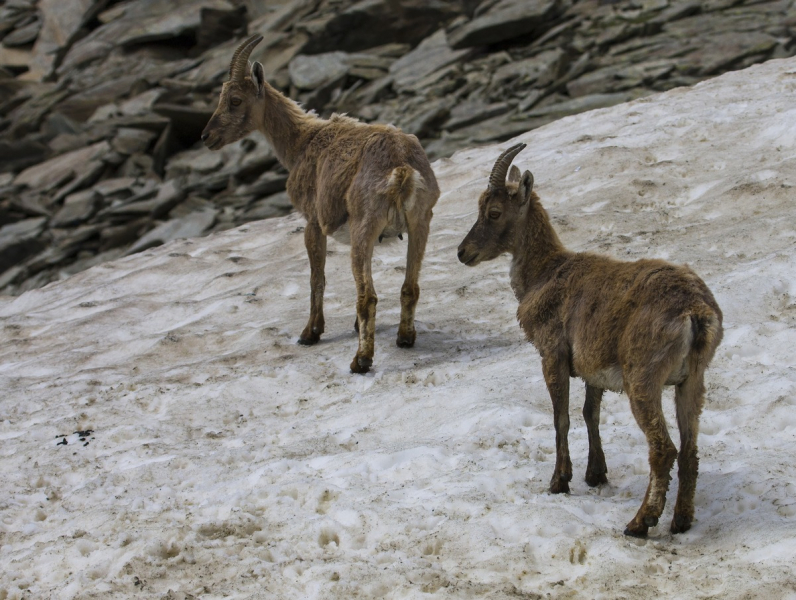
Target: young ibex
<point x="632" y="326"/>
<point x="373" y="178"/>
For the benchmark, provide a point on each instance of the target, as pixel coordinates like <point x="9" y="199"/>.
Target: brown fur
<point x="624" y="326"/>
<point x="374" y="178"/>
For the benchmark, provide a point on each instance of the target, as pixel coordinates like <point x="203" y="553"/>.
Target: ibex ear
<point x="514" y="174"/>
<point x="258" y="77"/>
<point x="525" y="187"/>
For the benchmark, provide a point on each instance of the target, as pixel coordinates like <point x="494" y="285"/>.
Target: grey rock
<point x="23" y="35"/>
<point x="168" y="196"/>
<point x="522" y="73"/>
<point x="620" y="77"/>
<point x="185" y="227"/>
<point x="268" y="183"/>
<point x="77" y="208"/>
<point x="19" y="154"/>
<point x="61" y="23"/>
<point x="431" y="55"/>
<point x="473" y="112"/>
<point x="582" y="104"/>
<point x="505" y="20"/>
<point x="55" y="171"/>
<point x="310" y="72"/>
<point x="131" y="141"/>
<point x="20" y="240"/>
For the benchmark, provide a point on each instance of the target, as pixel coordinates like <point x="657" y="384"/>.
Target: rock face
<point x="102" y="103"/>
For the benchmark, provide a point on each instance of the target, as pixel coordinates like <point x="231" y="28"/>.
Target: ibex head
<point x="498" y="209"/>
<point x="235" y="116"/>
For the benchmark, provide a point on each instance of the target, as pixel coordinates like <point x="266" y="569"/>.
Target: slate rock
<point x="131" y="141"/>
<point x="23" y="35"/>
<point x="505" y="20"/>
<point x="191" y="225"/>
<point x="310" y="72"/>
<point x="432" y="54"/>
<point x="20" y="240"/>
<point x="77" y="208"/>
<point x="55" y="171"/>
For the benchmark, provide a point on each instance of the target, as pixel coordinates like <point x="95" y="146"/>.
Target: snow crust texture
<point x="216" y="458"/>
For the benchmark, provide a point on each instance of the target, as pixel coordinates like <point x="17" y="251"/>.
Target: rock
<point x="369" y="23"/>
<point x="56" y="171"/>
<point x="473" y="112"/>
<point x="619" y="78"/>
<point x="582" y="104"/>
<point x="268" y="183"/>
<point x="132" y="141"/>
<point x="23" y="35"/>
<point x="19" y="154"/>
<point x="20" y="240"/>
<point x="187" y="121"/>
<point x="185" y="227"/>
<point x="61" y="22"/>
<point x="276" y="205"/>
<point x="431" y="55"/>
<point x="522" y="73"/>
<point x="310" y="72"/>
<point x="16" y="58"/>
<point x="425" y="120"/>
<point x="168" y="196"/>
<point x="505" y="20"/>
<point x="77" y="208"/>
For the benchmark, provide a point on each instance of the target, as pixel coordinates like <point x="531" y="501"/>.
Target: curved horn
<point x="240" y="60"/>
<point x="498" y="177"/>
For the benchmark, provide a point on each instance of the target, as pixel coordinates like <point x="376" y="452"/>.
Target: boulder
<point x="505" y="20"/>
<point x="431" y="55"/>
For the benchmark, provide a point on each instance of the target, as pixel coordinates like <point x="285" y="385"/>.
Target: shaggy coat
<point x="621" y="326"/>
<point x="372" y="181"/>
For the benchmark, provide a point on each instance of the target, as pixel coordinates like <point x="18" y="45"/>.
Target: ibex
<point x="620" y="326"/>
<point x="374" y="179"/>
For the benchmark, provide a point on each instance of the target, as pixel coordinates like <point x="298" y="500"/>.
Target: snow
<point x="222" y="460"/>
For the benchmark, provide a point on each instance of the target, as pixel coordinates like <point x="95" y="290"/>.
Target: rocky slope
<point x="102" y="102"/>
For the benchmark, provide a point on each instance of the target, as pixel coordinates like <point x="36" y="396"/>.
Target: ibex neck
<point x="286" y="125"/>
<point x="537" y="251"/>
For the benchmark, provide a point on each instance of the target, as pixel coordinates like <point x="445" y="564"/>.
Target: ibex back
<point x="373" y="178"/>
<point x="632" y="326"/>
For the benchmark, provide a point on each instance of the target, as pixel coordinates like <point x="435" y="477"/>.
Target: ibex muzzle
<point x="240" y="105"/>
<point x="498" y="207"/>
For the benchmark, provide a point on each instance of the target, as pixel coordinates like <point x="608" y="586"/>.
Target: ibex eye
<point x="235" y="102"/>
<point x="494" y="214"/>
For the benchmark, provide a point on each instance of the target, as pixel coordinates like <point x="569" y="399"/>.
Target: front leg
<point x="556" y="375"/>
<point x="315" y="242"/>
<point x="596" y="472"/>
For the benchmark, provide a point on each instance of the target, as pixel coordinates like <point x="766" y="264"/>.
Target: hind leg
<point x="689" y="397"/>
<point x="363" y="237"/>
<point x="596" y="472"/>
<point x="418" y="226"/>
<point x="645" y="401"/>
<point x="315" y="241"/>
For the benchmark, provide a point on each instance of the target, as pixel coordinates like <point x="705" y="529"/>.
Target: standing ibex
<point x="632" y="326"/>
<point x="373" y="178"/>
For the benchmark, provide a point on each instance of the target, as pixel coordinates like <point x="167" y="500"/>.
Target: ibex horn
<point x="239" y="66"/>
<point x="497" y="179"/>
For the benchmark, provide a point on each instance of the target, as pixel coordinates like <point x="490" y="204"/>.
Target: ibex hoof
<point x="680" y="523"/>
<point x="310" y="340"/>
<point x="636" y="533"/>
<point x="559" y="486"/>
<point x="650" y="521"/>
<point x="406" y="341"/>
<point x="361" y="365"/>
<point x="595" y="479"/>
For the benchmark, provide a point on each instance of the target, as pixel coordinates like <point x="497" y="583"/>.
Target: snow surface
<point x="226" y="461"/>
